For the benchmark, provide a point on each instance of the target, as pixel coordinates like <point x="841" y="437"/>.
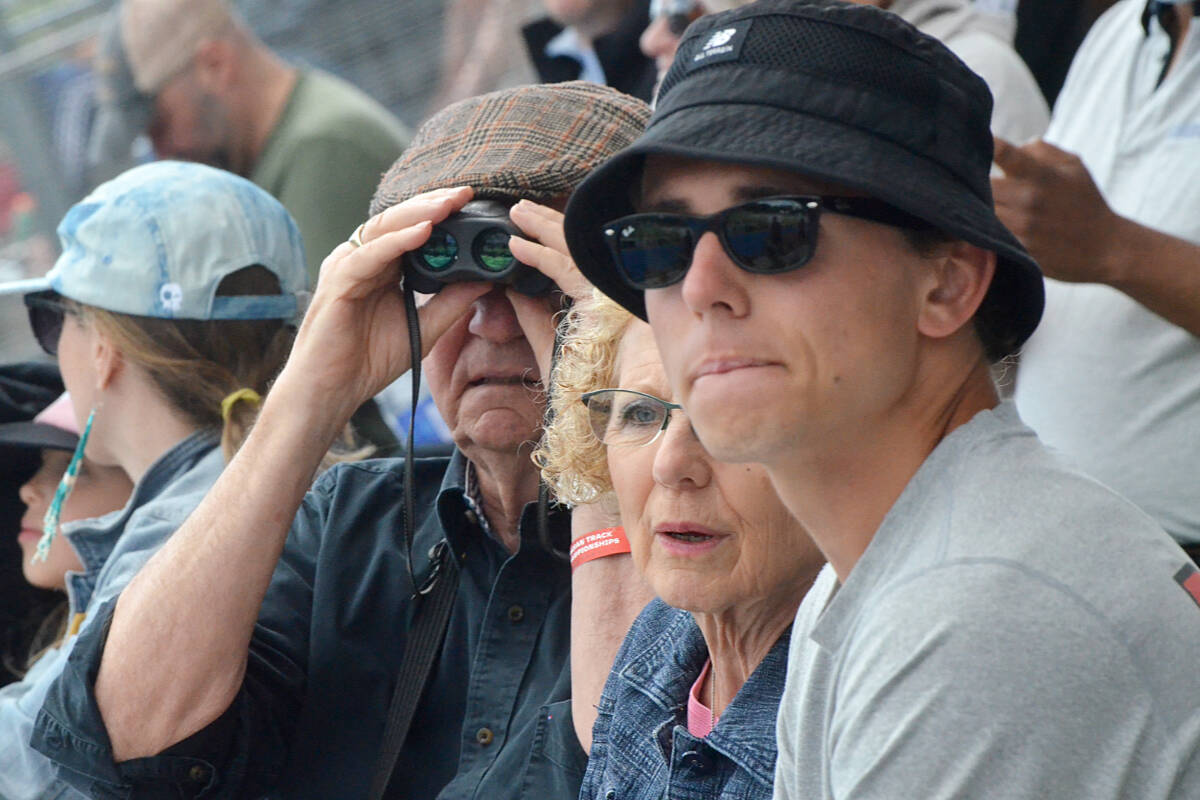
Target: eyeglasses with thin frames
<point x="625" y="418"/>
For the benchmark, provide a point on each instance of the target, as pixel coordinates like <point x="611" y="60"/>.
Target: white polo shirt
<point x="1112" y="385"/>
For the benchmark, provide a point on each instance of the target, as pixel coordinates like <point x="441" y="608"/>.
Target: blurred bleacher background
<point x="412" y="55"/>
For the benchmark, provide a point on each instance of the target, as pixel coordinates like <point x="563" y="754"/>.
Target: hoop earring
<point x="50" y="522"/>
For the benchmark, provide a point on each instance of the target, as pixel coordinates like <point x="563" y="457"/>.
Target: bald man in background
<point x="205" y="89"/>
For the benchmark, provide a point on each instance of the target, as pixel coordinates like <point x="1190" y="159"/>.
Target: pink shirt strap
<point x="700" y="719"/>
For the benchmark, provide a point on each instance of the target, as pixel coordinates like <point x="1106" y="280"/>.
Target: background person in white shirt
<point x="1109" y="206"/>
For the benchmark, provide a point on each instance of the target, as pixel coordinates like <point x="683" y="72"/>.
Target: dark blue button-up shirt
<point x="328" y="647"/>
<point x="641" y="747"/>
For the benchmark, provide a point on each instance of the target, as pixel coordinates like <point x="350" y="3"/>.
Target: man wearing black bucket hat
<point x="807" y="224"/>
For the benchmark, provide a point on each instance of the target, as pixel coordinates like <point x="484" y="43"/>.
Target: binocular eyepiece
<point x="472" y="245"/>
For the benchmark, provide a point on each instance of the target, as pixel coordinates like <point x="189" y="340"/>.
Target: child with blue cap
<point x="172" y="307"/>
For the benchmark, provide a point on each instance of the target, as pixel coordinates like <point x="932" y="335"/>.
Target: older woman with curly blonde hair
<point x="693" y="693"/>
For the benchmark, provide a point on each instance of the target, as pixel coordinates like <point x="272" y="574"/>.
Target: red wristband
<point x="598" y="544"/>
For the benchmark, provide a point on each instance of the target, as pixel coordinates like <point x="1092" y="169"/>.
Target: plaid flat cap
<point x="533" y="142"/>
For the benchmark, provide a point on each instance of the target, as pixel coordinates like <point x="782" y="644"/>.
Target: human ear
<point x="960" y="275"/>
<point x="214" y="65"/>
<point x="107" y="360"/>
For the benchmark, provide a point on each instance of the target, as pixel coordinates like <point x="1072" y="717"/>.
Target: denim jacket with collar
<point x="112" y="548"/>
<point x="641" y="747"/>
<point x="494" y="720"/>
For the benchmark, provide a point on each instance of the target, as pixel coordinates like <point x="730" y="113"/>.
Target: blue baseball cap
<point x="157" y="240"/>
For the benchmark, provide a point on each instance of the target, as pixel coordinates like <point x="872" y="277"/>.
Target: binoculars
<point x="472" y="245"/>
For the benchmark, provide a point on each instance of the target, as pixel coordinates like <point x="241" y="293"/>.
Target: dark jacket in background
<point x="625" y="67"/>
<point x="1048" y="34"/>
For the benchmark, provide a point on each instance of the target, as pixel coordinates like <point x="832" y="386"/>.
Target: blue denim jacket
<point x="641" y="747"/>
<point x="111" y="548"/>
<point x="493" y="722"/>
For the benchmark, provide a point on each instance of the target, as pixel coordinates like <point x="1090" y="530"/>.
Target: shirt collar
<point x="906" y="528"/>
<point x="564" y="43"/>
<point x="666" y="670"/>
<point x="1157" y="8"/>
<point x="94" y="539"/>
<point x="474" y="500"/>
<point x="455" y="502"/>
<point x="568" y="44"/>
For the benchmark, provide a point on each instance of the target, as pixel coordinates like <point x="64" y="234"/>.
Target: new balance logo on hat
<point x="723" y="45"/>
<point x="720" y="38"/>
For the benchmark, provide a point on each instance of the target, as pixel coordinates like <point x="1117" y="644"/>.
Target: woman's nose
<point x="681" y="461"/>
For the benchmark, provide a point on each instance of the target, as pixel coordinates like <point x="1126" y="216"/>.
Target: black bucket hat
<point x="27" y="393"/>
<point x="843" y="93"/>
<point x="54" y="428"/>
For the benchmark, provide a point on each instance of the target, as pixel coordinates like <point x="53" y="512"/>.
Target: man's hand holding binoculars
<point x="354" y="339"/>
<point x="545" y="249"/>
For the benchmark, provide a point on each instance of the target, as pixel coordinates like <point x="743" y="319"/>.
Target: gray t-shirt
<point x="1014" y="630"/>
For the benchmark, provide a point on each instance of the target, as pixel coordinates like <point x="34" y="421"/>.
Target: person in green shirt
<point x="214" y="93"/>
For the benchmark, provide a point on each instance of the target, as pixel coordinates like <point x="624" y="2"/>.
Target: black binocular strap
<point x="433" y="600"/>
<point x="424" y="642"/>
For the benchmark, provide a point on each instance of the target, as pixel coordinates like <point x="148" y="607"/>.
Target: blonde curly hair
<point x="573" y="462"/>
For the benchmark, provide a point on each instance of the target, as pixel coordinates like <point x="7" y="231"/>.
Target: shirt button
<point x="484" y="736"/>
<point x="198" y="774"/>
<point x="516" y="614"/>
<point x="697" y="761"/>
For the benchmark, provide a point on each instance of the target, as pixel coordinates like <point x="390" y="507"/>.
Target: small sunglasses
<point x="679" y="13"/>
<point x="767" y="236"/>
<point x="46" y="314"/>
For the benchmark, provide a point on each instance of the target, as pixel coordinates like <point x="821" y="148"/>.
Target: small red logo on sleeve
<point x="1189" y="578"/>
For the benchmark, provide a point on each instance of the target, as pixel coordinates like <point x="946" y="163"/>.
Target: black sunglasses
<point x="679" y="13"/>
<point x="46" y="314"/>
<point x="767" y="236"/>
